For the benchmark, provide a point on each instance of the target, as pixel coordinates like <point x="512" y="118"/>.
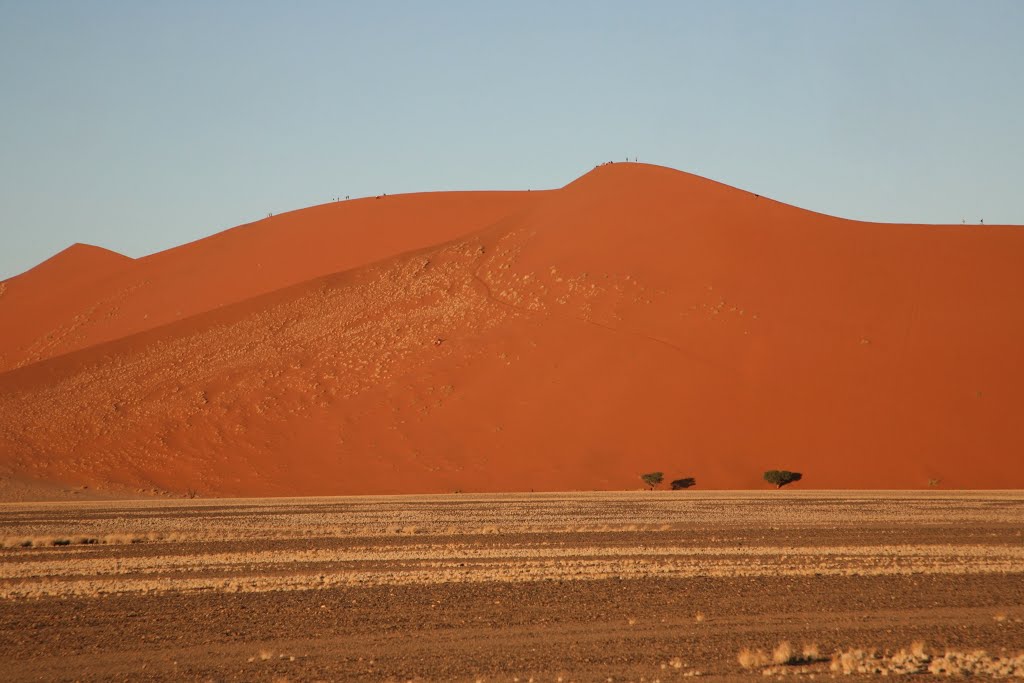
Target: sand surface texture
<point x="586" y="587"/>
<point x="638" y="319"/>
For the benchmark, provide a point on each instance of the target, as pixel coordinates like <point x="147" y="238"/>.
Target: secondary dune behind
<point x="87" y="295"/>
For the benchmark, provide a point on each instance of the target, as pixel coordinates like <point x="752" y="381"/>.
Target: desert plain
<point x="587" y="586"/>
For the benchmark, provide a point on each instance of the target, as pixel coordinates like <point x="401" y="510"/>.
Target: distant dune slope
<point x="638" y="319"/>
<point x="86" y="295"/>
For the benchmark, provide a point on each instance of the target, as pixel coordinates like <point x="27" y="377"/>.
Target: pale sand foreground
<point x="608" y="579"/>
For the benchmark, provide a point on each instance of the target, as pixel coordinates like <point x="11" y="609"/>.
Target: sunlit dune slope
<point x="85" y="295"/>
<point x="638" y="319"/>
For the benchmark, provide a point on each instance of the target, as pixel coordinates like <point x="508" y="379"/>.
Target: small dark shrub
<point x="781" y="477"/>
<point x="652" y="479"/>
<point x="683" y="483"/>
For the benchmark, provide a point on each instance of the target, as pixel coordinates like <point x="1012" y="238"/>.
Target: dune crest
<point x="638" y="319"/>
<point x="68" y="312"/>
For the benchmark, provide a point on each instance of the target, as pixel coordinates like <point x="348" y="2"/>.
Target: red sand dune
<point x="86" y="295"/>
<point x="637" y="319"/>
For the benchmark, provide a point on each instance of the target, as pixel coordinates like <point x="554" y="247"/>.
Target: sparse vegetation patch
<point x="871" y="662"/>
<point x="652" y="479"/>
<point x="781" y="477"/>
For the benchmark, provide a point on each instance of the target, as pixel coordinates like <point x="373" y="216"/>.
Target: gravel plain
<point x="638" y="586"/>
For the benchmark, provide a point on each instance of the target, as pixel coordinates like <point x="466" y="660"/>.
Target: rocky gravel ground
<point x="572" y="587"/>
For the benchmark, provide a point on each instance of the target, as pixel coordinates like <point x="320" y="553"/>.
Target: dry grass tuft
<point x="699" y="617"/>
<point x="122" y="538"/>
<point x="751" y="659"/>
<point x="919" y="649"/>
<point x="853" y="661"/>
<point x="783" y="653"/>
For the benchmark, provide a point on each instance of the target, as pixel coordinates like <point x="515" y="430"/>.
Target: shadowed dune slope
<point x="638" y="319"/>
<point x="85" y="295"/>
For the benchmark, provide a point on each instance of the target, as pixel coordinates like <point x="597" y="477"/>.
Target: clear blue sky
<point x="141" y="125"/>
